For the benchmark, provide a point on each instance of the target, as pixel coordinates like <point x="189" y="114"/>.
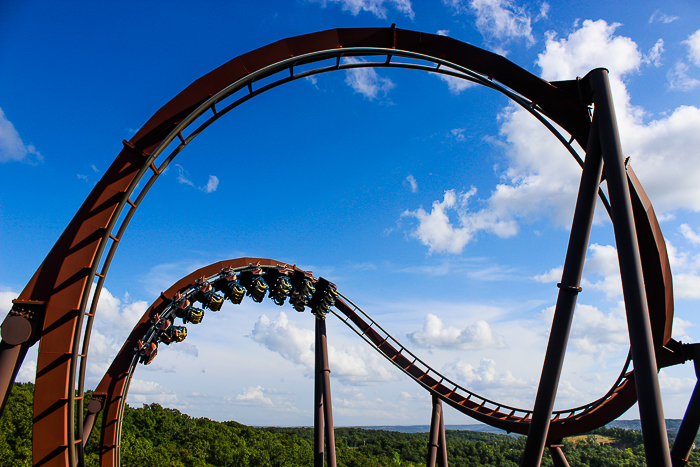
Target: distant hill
<point x="426" y="428"/>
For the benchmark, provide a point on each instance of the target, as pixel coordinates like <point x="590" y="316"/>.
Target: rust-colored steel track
<point x="53" y="307"/>
<point x="110" y="394"/>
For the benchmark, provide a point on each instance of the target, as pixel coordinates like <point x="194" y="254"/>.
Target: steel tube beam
<point x="687" y="431"/>
<point x="636" y="307"/>
<point x="318" y="401"/>
<point x="442" y="453"/>
<point x="11" y="358"/>
<point x="326" y="407"/>
<point x="566" y="303"/>
<point x="558" y="458"/>
<point x="685" y="438"/>
<point x="433" y="439"/>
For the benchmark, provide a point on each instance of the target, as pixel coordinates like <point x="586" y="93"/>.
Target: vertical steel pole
<point x="566" y="303"/>
<point x="442" y="456"/>
<point x="687" y="431"/>
<point x="326" y="382"/>
<point x="434" y="436"/>
<point x="636" y="307"/>
<point x="11" y="358"/>
<point x="318" y="400"/>
<point x="558" y="458"/>
<point x="689" y="426"/>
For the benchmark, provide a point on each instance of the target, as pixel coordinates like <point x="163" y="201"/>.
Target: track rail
<point x="152" y="329"/>
<point x="53" y="307"/>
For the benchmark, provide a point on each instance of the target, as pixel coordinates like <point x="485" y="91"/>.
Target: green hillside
<point x="156" y="436"/>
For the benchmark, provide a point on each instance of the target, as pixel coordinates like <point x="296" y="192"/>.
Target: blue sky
<point x="440" y="209"/>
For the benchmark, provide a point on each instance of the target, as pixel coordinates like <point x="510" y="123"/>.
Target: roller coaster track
<point x="110" y="394"/>
<point x="53" y="308"/>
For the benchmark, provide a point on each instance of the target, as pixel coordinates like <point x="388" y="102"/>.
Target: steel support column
<point x="566" y="303"/>
<point x="636" y="307"/>
<point x="318" y="403"/>
<point x="442" y="453"/>
<point x="323" y="413"/>
<point x="689" y="426"/>
<point x="11" y="358"/>
<point x="437" y="445"/>
<point x="558" y="458"/>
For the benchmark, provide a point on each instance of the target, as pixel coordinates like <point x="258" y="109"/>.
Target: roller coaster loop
<point x="53" y="308"/>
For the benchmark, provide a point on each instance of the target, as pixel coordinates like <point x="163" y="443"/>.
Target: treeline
<point x="156" y="436"/>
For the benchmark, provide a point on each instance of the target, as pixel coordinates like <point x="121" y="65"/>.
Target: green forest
<point x="155" y="436"/>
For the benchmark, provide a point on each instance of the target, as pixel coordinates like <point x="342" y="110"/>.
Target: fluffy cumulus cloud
<point x="660" y="149"/>
<point x="366" y="81"/>
<point x="693" y="43"/>
<point x="379" y="8"/>
<point x="434" y="334"/>
<point x="12" y="148"/>
<point x="602" y="271"/>
<point x="455" y="84"/>
<point x="485" y="376"/>
<point x="114" y="319"/>
<point x="351" y="364"/>
<point x="141" y="392"/>
<point x="435" y="228"/>
<point x="541" y="180"/>
<point x="254" y="396"/>
<point x="499" y="21"/>
<point x="686" y="269"/>
<point x="595" y="332"/>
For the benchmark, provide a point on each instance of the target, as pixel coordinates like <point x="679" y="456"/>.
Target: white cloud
<point x="458" y="133"/>
<point x="254" y="396"/>
<point x="498" y="20"/>
<point x="553" y="275"/>
<point x="211" y="185"/>
<point x="686" y="281"/>
<point x="653" y="57"/>
<point x="686" y="285"/>
<point x="434" y="334"/>
<point x="592" y="46"/>
<point x="285" y="338"/>
<point x="485" y="376"/>
<point x="455" y="84"/>
<point x="658" y="17"/>
<point x="690" y="234"/>
<point x="12" y="148"/>
<point x="693" y="43"/>
<point x="679" y="79"/>
<point x="6" y="301"/>
<point x="183" y="177"/>
<point x="149" y="391"/>
<point x="27" y="372"/>
<point x="435" y="229"/>
<point x="672" y="385"/>
<point x="351" y="364"/>
<point x="443" y="32"/>
<point x="601" y="260"/>
<point x="376" y="7"/>
<point x="680" y="328"/>
<point x="412" y="183"/>
<point x="594" y="332"/>
<point x="542" y="180"/>
<point x="366" y="81"/>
